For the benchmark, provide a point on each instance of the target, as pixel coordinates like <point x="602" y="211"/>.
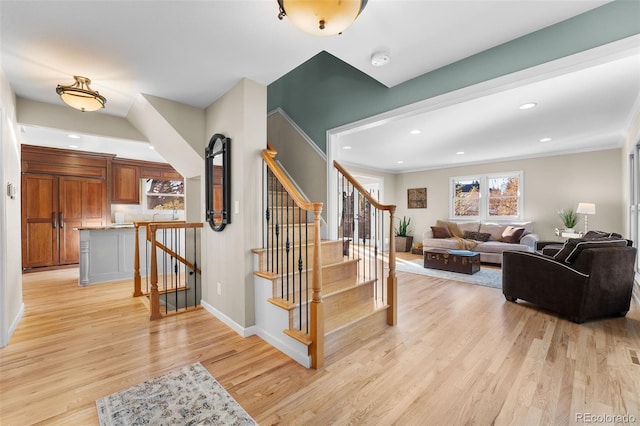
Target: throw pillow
<point x="454" y="230"/>
<point x="574" y="246"/>
<point x="592" y="235"/>
<point x="478" y="236"/>
<point x="511" y="234"/>
<point x="440" y="232"/>
<point x="494" y="229"/>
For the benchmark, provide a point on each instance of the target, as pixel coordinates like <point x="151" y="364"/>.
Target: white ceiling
<point x="194" y="51"/>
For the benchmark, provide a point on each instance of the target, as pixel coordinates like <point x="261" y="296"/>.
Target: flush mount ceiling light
<point x="80" y="96"/>
<point x="321" y="17"/>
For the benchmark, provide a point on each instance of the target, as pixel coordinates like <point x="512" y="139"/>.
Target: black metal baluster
<point x="306" y="293"/>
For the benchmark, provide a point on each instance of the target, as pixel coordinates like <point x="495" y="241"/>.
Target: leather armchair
<point x="597" y="283"/>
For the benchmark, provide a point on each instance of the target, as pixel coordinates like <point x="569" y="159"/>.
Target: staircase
<point x="315" y="298"/>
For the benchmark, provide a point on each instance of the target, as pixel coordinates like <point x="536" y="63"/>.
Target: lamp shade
<point x="321" y="17"/>
<point x="80" y="96"/>
<point x="586" y="208"/>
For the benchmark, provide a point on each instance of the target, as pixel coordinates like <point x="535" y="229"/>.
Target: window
<point x="163" y="194"/>
<point x="495" y="196"/>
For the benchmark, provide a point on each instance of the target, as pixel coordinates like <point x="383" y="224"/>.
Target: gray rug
<point x="486" y="276"/>
<point x="186" y="396"/>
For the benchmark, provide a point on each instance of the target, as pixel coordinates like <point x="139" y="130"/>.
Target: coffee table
<point x="463" y="261"/>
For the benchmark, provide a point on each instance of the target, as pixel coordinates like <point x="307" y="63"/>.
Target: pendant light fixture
<point x="80" y="96"/>
<point x="321" y="17"/>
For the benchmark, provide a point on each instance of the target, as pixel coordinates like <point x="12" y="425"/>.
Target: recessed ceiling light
<point x="415" y="131"/>
<point x="459" y="152"/>
<point x="346" y="147"/>
<point x="400" y="162"/>
<point x="73" y="146"/>
<point x="545" y="139"/>
<point x="72" y="136"/>
<point x="151" y="147"/>
<point x="528" y="105"/>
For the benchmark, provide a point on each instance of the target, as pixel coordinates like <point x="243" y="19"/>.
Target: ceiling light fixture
<point x="321" y="17"/>
<point x="545" y="139"/>
<point x="459" y="152"/>
<point x="528" y="105"/>
<point x="415" y="131"/>
<point x="400" y="162"/>
<point x="72" y="136"/>
<point x="80" y="96"/>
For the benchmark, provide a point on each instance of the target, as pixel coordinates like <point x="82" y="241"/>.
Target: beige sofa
<point x="469" y="235"/>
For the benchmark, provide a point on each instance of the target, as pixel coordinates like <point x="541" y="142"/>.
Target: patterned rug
<point x="186" y="396"/>
<point x="486" y="276"/>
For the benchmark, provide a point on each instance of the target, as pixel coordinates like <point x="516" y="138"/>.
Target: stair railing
<point x="293" y="255"/>
<point x="172" y="258"/>
<point x="362" y="230"/>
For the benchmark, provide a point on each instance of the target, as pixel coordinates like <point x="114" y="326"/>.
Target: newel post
<point x="137" y="284"/>
<point x="316" y="321"/>
<point x="392" y="281"/>
<point x="154" y="296"/>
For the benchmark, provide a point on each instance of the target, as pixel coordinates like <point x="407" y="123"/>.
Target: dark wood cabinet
<point x="53" y="207"/>
<point x="125" y="183"/>
<point x="126" y="175"/>
<point x="61" y="191"/>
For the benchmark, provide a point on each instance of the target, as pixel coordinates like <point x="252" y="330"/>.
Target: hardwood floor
<point x="459" y="355"/>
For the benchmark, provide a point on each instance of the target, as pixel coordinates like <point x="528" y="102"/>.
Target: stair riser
<point x="338" y="302"/>
<point x="290" y="215"/>
<point x="339" y="271"/>
<point x="331" y="253"/>
<point x="293" y="233"/>
<point x="356" y="334"/>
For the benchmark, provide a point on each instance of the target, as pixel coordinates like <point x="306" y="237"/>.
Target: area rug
<point x="486" y="276"/>
<point x="186" y="396"/>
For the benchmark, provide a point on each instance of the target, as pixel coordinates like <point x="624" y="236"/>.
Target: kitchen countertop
<point x="106" y="227"/>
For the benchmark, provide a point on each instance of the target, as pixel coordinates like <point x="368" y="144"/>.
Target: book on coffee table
<point x="462" y="252"/>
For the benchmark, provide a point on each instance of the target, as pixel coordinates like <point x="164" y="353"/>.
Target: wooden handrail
<point x="387" y="207"/>
<point x="392" y="280"/>
<point x="268" y="157"/>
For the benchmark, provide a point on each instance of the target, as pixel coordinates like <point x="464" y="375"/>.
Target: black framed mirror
<point x="218" y="181"/>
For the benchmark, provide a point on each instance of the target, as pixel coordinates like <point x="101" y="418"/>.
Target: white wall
<point x="240" y="115"/>
<point x="550" y="184"/>
<point x="11" y="304"/>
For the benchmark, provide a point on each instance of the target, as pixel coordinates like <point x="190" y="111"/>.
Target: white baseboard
<point x="242" y="331"/>
<point x="14" y="324"/>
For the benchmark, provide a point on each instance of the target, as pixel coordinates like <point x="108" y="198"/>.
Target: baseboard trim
<point x="14" y="324"/>
<point x="242" y="331"/>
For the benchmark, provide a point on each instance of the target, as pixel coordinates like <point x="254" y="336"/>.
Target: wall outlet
<point x="219" y="289"/>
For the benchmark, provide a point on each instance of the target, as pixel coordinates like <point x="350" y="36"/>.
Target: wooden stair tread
<point x="300" y="336"/>
<point x="352" y="315"/>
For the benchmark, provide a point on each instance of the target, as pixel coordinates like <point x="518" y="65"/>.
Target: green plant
<point x="401" y="230"/>
<point x="569" y="217"/>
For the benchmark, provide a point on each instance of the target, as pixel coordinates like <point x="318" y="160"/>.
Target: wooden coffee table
<point x="463" y="261"/>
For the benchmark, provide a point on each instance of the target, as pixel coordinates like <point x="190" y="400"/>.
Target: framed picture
<point x="417" y="198"/>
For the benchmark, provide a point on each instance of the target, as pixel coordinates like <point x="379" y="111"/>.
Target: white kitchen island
<point x="107" y="253"/>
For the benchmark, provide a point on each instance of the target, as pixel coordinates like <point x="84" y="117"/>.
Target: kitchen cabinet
<point x="61" y="191"/>
<point x="53" y="207"/>
<point x="125" y="183"/>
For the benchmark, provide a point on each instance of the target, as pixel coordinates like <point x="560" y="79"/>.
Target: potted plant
<point x="403" y="241"/>
<point x="569" y="219"/>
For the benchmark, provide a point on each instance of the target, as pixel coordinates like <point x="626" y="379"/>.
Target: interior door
<point x="39" y="220"/>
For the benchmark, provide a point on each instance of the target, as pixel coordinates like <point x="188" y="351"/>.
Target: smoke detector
<point x="379" y="59"/>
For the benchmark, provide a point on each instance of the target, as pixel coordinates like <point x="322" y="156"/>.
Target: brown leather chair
<point x="590" y="279"/>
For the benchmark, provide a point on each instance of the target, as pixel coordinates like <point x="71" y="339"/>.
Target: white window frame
<point x="484" y="180"/>
<point x="143" y="201"/>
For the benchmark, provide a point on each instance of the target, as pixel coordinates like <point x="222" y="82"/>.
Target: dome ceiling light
<point x="80" y="96"/>
<point x="321" y="17"/>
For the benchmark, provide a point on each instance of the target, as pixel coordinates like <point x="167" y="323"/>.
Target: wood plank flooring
<point x="459" y="355"/>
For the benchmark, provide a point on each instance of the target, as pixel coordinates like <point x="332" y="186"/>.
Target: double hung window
<point x="492" y="196"/>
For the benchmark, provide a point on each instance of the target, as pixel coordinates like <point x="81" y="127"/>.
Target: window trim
<point x="483" y="179"/>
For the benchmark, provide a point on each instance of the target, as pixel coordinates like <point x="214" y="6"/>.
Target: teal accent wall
<point x="325" y="92"/>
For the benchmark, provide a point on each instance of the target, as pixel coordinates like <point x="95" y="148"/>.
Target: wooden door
<point x="39" y="220"/>
<point x="82" y="203"/>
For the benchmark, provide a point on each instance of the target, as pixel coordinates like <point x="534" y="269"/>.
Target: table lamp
<point x="586" y="209"/>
